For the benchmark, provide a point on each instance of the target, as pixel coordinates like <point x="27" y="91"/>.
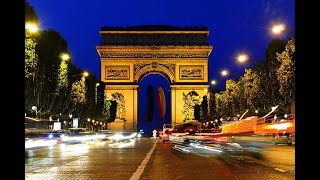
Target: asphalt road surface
<point x="149" y="158"/>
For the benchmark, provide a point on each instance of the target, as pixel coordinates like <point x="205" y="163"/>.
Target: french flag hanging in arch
<point x="161" y="102"/>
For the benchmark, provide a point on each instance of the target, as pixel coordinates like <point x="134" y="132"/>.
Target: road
<point x="148" y="158"/>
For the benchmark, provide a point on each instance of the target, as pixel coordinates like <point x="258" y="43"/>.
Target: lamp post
<point x="226" y="73"/>
<point x="65" y="56"/>
<point x="96" y="94"/>
<point x="34" y="108"/>
<point x="213" y="82"/>
<point x="70" y="118"/>
<point x="243" y="57"/>
<point x="85" y="74"/>
<point x="31" y="27"/>
<point x="281" y="28"/>
<point x="88" y="123"/>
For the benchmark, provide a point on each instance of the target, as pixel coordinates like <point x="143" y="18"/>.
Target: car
<point x="167" y="127"/>
<point x="54" y="136"/>
<point x="283" y="138"/>
<point x="122" y="136"/>
<point x="165" y="133"/>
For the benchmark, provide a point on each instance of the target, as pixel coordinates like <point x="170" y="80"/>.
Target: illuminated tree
<point x="107" y="106"/>
<point x="286" y="72"/>
<point x="252" y="90"/>
<point x="78" y="92"/>
<point x="63" y="76"/>
<point x="31" y="58"/>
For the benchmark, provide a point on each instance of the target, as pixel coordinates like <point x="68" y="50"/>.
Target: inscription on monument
<point x="117" y="72"/>
<point x="191" y="71"/>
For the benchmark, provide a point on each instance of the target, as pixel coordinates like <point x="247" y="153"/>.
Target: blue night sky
<point x="234" y="25"/>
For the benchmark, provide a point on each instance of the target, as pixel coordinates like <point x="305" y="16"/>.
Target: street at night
<point x="163" y="90"/>
<point x="106" y="160"/>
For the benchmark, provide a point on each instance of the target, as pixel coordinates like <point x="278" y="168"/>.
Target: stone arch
<point x="154" y="68"/>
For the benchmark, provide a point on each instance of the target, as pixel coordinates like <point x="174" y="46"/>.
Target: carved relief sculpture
<point x="117" y="72"/>
<point x="191" y="72"/>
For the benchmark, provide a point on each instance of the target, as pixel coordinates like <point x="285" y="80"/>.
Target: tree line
<point x="264" y="85"/>
<point x="54" y="85"/>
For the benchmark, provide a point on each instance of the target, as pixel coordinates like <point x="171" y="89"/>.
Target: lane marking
<point x="281" y="170"/>
<point x="140" y="169"/>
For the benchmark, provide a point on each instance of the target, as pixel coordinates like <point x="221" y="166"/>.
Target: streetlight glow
<point x="224" y="72"/>
<point x="279" y="28"/>
<point x="34" y="108"/>
<point x="65" y="57"/>
<point x="31" y="27"/>
<point x="213" y="82"/>
<point x="243" y="57"/>
<point x="85" y="74"/>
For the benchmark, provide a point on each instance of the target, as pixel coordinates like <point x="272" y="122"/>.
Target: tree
<point x="63" y="76"/>
<point x="30" y="14"/>
<point x="31" y="59"/>
<point x="212" y="109"/>
<point x="286" y="72"/>
<point x="252" y="90"/>
<point x="107" y="109"/>
<point x="50" y="47"/>
<point x="78" y="92"/>
<point x="271" y="84"/>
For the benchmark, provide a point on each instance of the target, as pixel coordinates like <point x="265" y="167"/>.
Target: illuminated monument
<point x="128" y="54"/>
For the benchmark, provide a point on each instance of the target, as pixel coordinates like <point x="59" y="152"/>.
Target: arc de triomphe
<point x="130" y="53"/>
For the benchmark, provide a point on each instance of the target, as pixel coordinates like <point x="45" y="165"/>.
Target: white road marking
<point x="281" y="170"/>
<point x="140" y="169"/>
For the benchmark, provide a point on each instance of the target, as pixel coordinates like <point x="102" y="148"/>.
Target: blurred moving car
<point x="283" y="138"/>
<point x="166" y="131"/>
<point x="122" y="136"/>
<point x="54" y="136"/>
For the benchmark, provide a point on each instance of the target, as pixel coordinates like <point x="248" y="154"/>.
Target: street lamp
<point x="224" y="72"/>
<point x="65" y="56"/>
<point x="88" y="123"/>
<point x="243" y="57"/>
<point x="70" y="117"/>
<point x="213" y="82"/>
<point x="280" y="28"/>
<point x="96" y="99"/>
<point x="31" y="27"/>
<point x="34" y="108"/>
<point x="85" y="74"/>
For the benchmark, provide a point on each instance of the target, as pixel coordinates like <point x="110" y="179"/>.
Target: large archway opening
<point x="154" y="107"/>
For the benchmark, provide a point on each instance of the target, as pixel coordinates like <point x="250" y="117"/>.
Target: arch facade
<point x="129" y="54"/>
